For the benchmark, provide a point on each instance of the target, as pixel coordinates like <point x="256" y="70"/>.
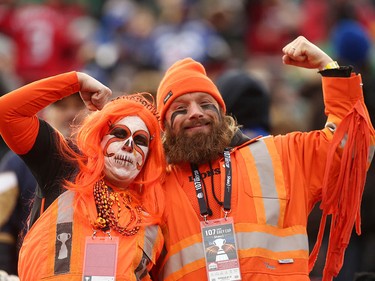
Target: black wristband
<point x="343" y="71"/>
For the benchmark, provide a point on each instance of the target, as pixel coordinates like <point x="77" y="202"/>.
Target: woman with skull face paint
<point x="102" y="188"/>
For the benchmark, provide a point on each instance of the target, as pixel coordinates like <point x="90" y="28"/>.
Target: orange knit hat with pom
<point x="183" y="77"/>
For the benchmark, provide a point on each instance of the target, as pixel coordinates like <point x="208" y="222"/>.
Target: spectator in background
<point x="228" y="18"/>
<point x="17" y="187"/>
<point x="271" y="25"/>
<point x="247" y="100"/>
<point x="182" y="32"/>
<point x="45" y="41"/>
<point x="315" y="20"/>
<point x="121" y="45"/>
<point x="138" y="36"/>
<point x="352" y="44"/>
<point x="8" y="78"/>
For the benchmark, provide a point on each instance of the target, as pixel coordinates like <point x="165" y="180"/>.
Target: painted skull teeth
<point x="124" y="160"/>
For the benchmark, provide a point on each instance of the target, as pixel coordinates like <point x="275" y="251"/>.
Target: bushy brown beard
<point x="198" y="148"/>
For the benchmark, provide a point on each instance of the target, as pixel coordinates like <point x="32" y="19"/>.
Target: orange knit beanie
<point x="185" y="76"/>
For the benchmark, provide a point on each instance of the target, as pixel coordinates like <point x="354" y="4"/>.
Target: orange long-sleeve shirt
<point x="19" y="124"/>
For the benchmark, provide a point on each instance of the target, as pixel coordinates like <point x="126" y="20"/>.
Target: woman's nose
<point x="128" y="145"/>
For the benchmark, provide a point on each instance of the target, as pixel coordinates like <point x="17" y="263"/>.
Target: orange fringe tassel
<point x="342" y="195"/>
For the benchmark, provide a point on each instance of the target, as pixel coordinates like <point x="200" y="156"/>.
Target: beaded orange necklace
<point x="105" y="198"/>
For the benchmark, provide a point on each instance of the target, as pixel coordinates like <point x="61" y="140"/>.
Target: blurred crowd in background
<point x="128" y="44"/>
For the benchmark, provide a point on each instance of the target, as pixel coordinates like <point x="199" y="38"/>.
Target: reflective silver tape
<point x="263" y="163"/>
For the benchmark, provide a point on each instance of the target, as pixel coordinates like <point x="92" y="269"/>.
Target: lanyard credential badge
<point x="218" y="235"/>
<point x="220" y="250"/>
<point x="100" y="258"/>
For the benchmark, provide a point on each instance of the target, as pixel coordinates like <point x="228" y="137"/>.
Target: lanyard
<point x="198" y="184"/>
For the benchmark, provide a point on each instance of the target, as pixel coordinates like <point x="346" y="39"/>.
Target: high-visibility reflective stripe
<point x="263" y="163"/>
<point x="256" y="189"/>
<point x="184" y="257"/>
<point x="245" y="242"/>
<point x="271" y="242"/>
<point x="150" y="237"/>
<point x="278" y="177"/>
<point x="64" y="233"/>
<point x="151" y="234"/>
<point x="371" y="153"/>
<point x="65" y="207"/>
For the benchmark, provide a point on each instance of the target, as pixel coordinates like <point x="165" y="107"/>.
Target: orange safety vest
<point x="266" y="243"/>
<point x="54" y="247"/>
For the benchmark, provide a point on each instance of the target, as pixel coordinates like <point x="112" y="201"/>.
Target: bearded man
<point x="237" y="208"/>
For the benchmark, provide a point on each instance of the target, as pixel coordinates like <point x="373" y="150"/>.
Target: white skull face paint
<point x="125" y="150"/>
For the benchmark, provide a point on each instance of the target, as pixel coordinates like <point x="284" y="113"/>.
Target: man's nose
<point x="128" y="145"/>
<point x="195" y="110"/>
